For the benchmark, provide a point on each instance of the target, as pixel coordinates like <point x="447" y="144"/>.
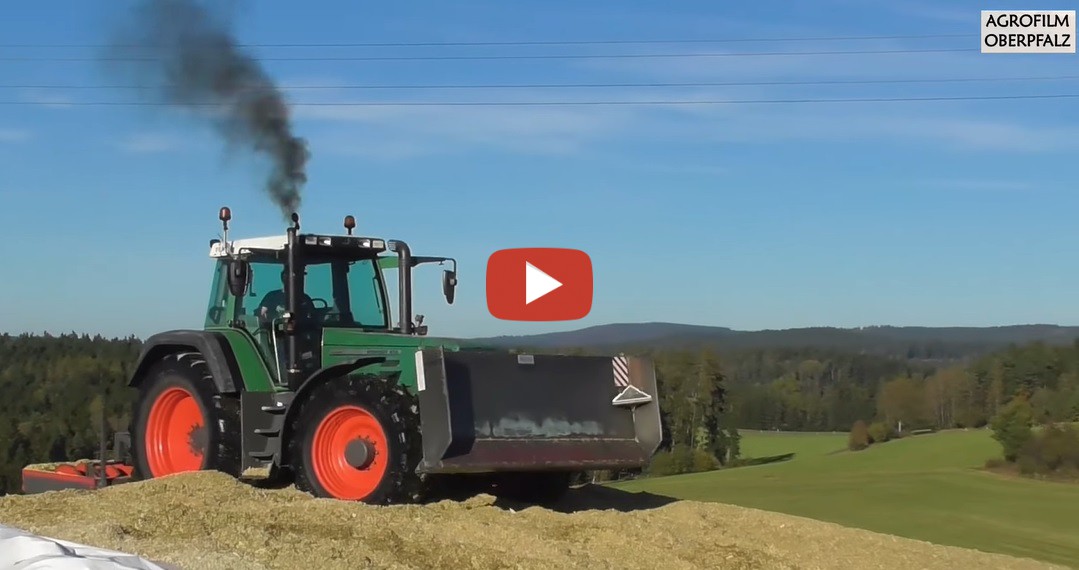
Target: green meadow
<point x="929" y="487"/>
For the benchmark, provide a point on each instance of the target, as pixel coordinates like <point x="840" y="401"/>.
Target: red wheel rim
<point x="175" y="434"/>
<point x="340" y="427"/>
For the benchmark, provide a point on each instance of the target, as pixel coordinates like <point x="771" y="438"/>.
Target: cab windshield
<point x="337" y="292"/>
<point x="346" y="293"/>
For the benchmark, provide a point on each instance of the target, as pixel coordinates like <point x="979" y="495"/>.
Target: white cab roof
<point x="280" y="242"/>
<point x="276" y="243"/>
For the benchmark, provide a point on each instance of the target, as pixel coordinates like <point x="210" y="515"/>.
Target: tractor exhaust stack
<point x="293" y="287"/>
<point x="404" y="257"/>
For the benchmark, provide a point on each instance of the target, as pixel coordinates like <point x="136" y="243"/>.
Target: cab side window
<point x="216" y="313"/>
<point x="265" y="279"/>
<point x="365" y="294"/>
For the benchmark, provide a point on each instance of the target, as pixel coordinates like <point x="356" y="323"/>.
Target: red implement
<point x="82" y="475"/>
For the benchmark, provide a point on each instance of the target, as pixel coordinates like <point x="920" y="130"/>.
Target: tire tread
<point x="189" y="370"/>
<point x="394" y="408"/>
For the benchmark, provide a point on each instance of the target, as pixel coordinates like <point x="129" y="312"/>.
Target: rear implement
<point x="75" y="475"/>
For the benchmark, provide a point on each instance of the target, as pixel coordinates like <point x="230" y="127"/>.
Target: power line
<point x="592" y="85"/>
<point x="564" y="103"/>
<point x="516" y="57"/>
<point x="533" y="43"/>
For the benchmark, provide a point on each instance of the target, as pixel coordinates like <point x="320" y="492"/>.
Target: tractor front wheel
<point x="180" y="424"/>
<point x="356" y="439"/>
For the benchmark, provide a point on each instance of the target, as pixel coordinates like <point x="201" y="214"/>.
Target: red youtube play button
<point x="539" y="284"/>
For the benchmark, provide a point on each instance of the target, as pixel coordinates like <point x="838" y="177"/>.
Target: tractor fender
<point x="314" y="381"/>
<point x="213" y="347"/>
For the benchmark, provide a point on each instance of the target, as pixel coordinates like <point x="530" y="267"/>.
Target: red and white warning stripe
<point x="621" y="371"/>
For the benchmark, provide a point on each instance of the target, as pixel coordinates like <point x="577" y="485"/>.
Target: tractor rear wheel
<point x="180" y="424"/>
<point x="357" y="439"/>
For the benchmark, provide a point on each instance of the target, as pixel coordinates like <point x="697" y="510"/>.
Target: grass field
<point x="927" y="487"/>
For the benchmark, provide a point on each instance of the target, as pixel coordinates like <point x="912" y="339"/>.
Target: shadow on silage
<point x="598" y="497"/>
<point x="587" y="497"/>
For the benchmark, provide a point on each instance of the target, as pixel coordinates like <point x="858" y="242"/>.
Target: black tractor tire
<point x="397" y="416"/>
<point x="543" y="488"/>
<point x="219" y="437"/>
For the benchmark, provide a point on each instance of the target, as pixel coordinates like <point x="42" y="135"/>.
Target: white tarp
<point x="20" y="550"/>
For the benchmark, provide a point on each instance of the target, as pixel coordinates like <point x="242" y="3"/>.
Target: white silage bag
<point x="20" y="550"/>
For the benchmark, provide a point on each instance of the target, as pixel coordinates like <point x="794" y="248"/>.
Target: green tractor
<point x="301" y="370"/>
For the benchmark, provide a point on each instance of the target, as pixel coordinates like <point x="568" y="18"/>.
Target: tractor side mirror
<point x="239" y="277"/>
<point x="449" y="283"/>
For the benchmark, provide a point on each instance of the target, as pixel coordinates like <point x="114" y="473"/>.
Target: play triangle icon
<point x="538" y="283"/>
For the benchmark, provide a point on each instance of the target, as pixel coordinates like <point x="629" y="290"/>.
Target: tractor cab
<point x="286" y="290"/>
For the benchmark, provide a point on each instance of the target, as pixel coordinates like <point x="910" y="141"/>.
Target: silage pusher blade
<point x="498" y="412"/>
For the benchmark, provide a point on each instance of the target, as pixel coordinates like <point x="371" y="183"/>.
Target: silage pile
<point x="211" y="521"/>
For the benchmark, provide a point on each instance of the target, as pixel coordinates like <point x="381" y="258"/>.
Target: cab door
<point x="260" y="314"/>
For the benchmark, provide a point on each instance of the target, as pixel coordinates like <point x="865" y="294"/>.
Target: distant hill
<point x="917" y="342"/>
<point x="613" y="334"/>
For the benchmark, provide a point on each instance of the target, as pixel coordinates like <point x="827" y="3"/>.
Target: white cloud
<point x="303" y="86"/>
<point x="809" y="63"/>
<point x="46" y="98"/>
<point x="14" y="135"/>
<point x="934" y="11"/>
<point x="406" y="131"/>
<point x="952" y="125"/>
<point x="412" y="130"/>
<point x="977" y="185"/>
<point x="380" y="150"/>
<point x="955" y="133"/>
<point x="889" y="123"/>
<point x="985" y="134"/>
<point x="149" y="143"/>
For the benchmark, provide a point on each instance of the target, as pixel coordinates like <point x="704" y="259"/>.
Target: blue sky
<point x="750" y="216"/>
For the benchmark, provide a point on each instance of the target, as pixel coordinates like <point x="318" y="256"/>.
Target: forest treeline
<point x="52" y="392"/>
<point x="808" y="390"/>
<point x="54" y="389"/>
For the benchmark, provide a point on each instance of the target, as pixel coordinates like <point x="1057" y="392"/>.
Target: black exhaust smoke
<point x="192" y="61"/>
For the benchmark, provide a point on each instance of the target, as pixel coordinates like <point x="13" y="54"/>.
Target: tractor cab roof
<point x="357" y="245"/>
